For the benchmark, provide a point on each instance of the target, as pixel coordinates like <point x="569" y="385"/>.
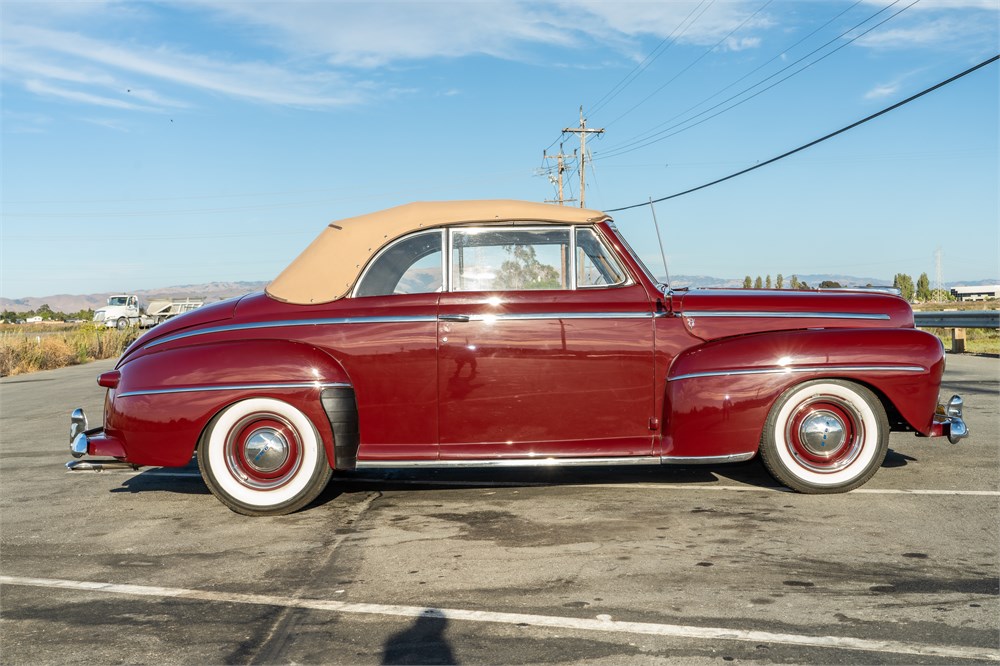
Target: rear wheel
<point x="825" y="436"/>
<point x="263" y="457"/>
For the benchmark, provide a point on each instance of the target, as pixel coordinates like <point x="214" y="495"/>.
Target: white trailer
<point x="123" y="310"/>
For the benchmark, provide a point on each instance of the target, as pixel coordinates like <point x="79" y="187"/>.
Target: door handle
<point x="453" y="317"/>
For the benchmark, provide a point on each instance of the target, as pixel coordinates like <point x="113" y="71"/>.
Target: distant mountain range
<point x="219" y="291"/>
<point x="211" y="291"/>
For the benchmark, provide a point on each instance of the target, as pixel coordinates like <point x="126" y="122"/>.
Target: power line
<point x="691" y="64"/>
<point x="648" y="60"/>
<point x="817" y="141"/>
<point x="648" y="140"/>
<point x="780" y="53"/>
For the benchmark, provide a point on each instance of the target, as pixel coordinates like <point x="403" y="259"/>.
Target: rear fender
<point x="165" y="400"/>
<point x="718" y="394"/>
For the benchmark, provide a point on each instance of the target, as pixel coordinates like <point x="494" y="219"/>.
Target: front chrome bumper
<point x="948" y="421"/>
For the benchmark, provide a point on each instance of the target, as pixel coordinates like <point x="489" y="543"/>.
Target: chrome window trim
<point x="234" y="387"/>
<point x="398" y="319"/>
<point x="800" y="369"/>
<point x="373" y="260"/>
<point x="625" y="282"/>
<point x="484" y="228"/>
<point x="783" y="314"/>
<point x="642" y="267"/>
<point x="706" y="460"/>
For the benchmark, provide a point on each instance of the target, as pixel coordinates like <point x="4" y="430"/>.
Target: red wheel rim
<point x="825" y="434"/>
<point x="263" y="451"/>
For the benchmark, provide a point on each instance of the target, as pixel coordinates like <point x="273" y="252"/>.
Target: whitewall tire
<point x="263" y="457"/>
<point x="825" y="436"/>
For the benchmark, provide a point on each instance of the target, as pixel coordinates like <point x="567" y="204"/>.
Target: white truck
<point x="123" y="310"/>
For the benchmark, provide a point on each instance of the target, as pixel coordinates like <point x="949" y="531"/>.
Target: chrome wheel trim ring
<point x="239" y="461"/>
<point x="851" y="425"/>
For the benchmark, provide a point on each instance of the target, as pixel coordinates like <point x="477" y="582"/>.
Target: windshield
<point x="118" y="300"/>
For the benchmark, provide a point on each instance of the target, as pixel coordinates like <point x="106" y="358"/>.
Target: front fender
<point x="164" y="400"/>
<point x="718" y="394"/>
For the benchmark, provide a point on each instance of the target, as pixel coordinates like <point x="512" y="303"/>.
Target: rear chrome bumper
<point x="91" y="441"/>
<point x="948" y="421"/>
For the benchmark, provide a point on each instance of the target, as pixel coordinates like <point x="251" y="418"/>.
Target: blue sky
<point x="151" y="144"/>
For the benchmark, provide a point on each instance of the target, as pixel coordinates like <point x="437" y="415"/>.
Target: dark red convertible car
<point x="505" y="333"/>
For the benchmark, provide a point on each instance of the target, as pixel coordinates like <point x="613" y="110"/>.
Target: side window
<point x="510" y="259"/>
<point x="412" y="265"/>
<point x="596" y="266"/>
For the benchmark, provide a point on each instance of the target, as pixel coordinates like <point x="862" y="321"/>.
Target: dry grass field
<point x="25" y="349"/>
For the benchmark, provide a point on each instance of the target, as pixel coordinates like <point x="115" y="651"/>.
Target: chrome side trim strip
<point x="535" y="316"/>
<point x="398" y="319"/>
<point x="509" y="462"/>
<point x="783" y="314"/>
<point x="707" y="460"/>
<point x="801" y="368"/>
<point x="235" y="387"/>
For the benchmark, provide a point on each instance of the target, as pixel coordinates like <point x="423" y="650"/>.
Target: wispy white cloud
<point x="48" y="90"/>
<point x="931" y="5"/>
<point x="942" y="24"/>
<point x="255" y="81"/>
<point x="318" y="54"/>
<point x="882" y="91"/>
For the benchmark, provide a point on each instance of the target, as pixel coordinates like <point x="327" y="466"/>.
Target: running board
<point x="556" y="462"/>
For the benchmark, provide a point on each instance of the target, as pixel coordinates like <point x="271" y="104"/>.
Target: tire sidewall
<point x="777" y="453"/>
<point x="304" y="484"/>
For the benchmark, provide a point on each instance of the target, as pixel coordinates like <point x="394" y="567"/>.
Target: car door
<point x="545" y="347"/>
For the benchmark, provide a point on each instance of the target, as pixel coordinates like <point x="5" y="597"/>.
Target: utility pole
<point x="583" y="131"/>
<point x="938" y="282"/>
<point x="560" y="169"/>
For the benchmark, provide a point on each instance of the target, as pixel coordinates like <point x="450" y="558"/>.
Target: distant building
<point x="33" y="320"/>
<point x="983" y="292"/>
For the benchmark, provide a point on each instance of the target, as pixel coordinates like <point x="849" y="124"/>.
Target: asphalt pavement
<point x="598" y="566"/>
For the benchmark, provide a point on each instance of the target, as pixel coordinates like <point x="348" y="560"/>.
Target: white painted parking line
<point x="666" y="486"/>
<point x="601" y="624"/>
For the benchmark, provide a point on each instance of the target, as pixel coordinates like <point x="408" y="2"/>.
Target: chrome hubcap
<point x="266" y="450"/>
<point x="822" y="433"/>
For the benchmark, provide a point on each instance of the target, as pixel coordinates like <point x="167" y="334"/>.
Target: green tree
<point x="524" y="271"/>
<point x="904" y="283"/>
<point x="779" y="282"/>
<point x="829" y="284"/>
<point x="793" y="283"/>
<point x="747" y="282"/>
<point x="767" y="282"/>
<point x="924" y="288"/>
<point x="758" y="283"/>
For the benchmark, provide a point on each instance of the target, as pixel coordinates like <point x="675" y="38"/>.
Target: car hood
<point x="206" y="314"/>
<point x="716" y="313"/>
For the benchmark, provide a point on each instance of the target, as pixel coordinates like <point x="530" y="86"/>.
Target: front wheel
<point x="121" y="324"/>
<point x="263" y="457"/>
<point x="825" y="436"/>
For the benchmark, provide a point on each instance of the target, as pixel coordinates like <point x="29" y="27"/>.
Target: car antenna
<point x="659" y="238"/>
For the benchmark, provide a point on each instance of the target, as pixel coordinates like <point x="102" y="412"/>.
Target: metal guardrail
<point x="958" y="319"/>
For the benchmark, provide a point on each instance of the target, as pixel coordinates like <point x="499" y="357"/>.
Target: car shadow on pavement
<point x="162" y="479"/>
<point x="430" y="478"/>
<point x="897" y="459"/>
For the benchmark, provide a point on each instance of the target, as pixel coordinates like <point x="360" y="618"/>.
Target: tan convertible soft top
<point x="329" y="267"/>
